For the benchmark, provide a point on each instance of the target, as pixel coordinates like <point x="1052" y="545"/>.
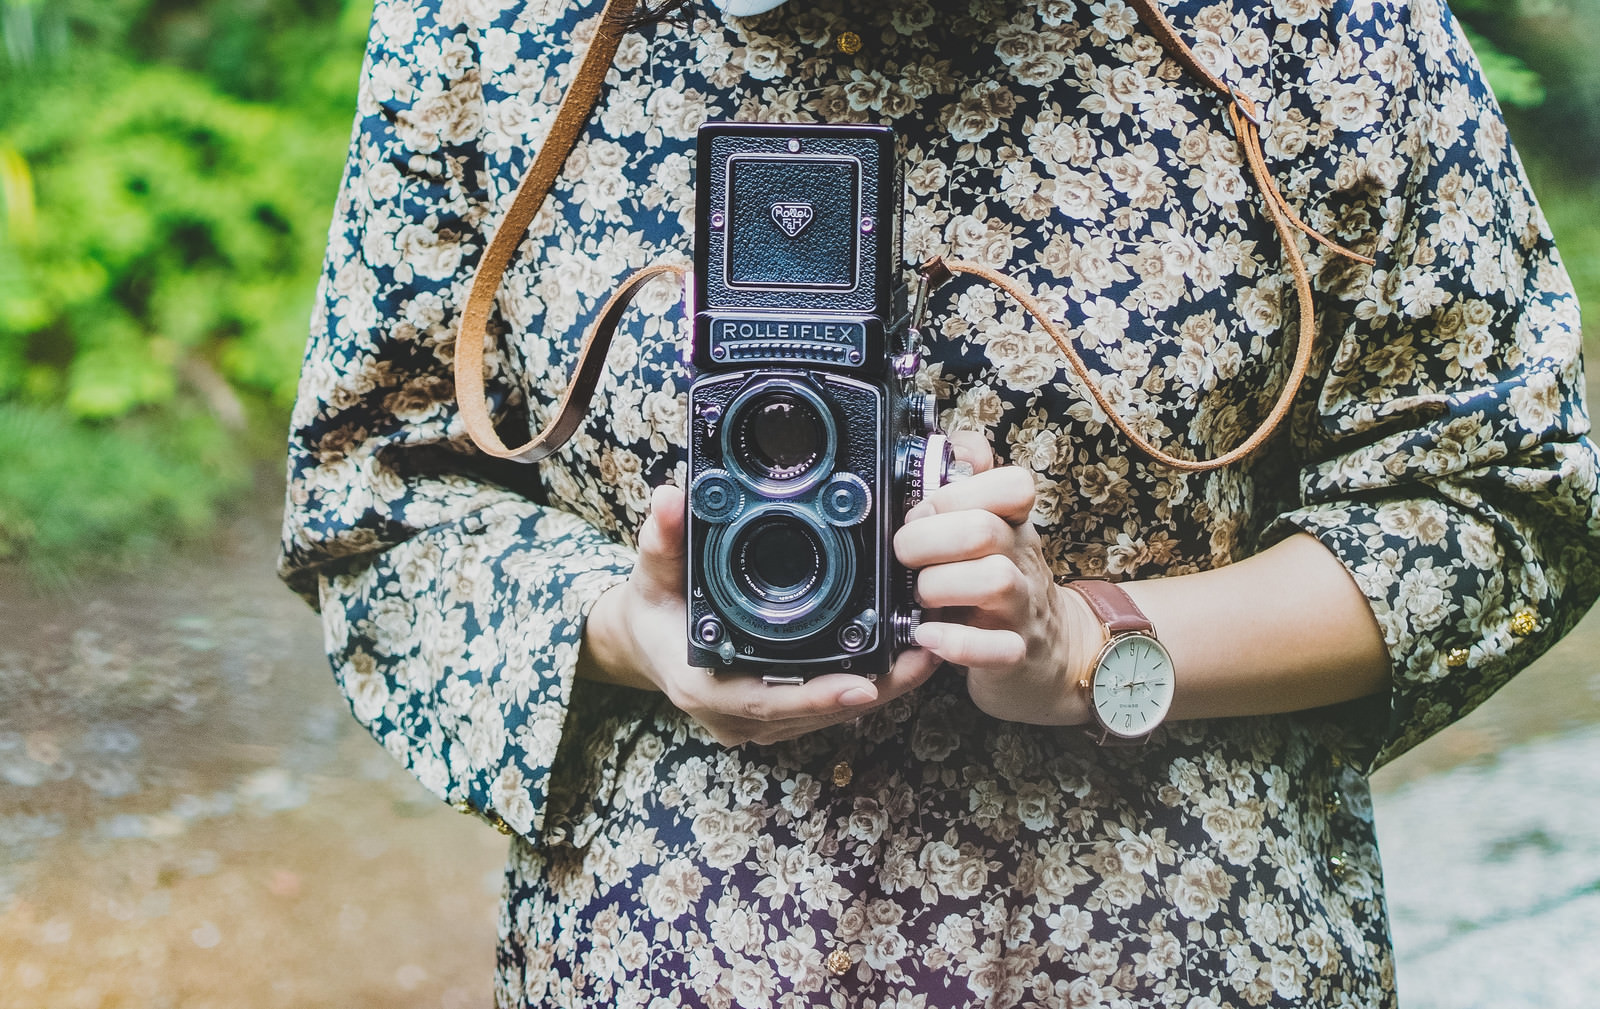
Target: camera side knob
<point x="927" y="468"/>
<point x="846" y="500"/>
<point x="905" y="627"/>
<point x="925" y="413"/>
<point x="715" y="496"/>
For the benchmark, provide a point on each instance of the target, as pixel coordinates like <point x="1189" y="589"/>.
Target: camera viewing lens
<point x="779" y="435"/>
<point x="785" y="435"/>
<point x="779" y="560"/>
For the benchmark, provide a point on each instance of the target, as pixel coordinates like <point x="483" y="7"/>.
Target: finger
<point x="911" y="669"/>
<point x="769" y="711"/>
<point x="750" y="698"/>
<point x="972" y="448"/>
<point x="993" y="585"/>
<point x="972" y="646"/>
<point x="958" y="536"/>
<point x="1007" y="491"/>
<point x="667" y="519"/>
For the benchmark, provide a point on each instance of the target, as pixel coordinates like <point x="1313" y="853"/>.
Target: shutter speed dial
<point x="923" y="465"/>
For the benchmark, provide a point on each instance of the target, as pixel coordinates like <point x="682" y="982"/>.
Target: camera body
<point x="806" y="446"/>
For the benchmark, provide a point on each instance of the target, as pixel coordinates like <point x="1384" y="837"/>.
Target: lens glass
<point x="779" y="560"/>
<point x="780" y="435"/>
<point x="779" y="573"/>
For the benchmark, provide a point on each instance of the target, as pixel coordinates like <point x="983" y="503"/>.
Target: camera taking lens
<point x="778" y="561"/>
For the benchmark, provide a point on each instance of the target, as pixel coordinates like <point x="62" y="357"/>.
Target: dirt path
<point x="189" y="817"/>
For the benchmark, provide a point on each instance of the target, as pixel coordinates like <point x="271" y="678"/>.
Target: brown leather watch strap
<point x="1113" y="607"/>
<point x="573" y="113"/>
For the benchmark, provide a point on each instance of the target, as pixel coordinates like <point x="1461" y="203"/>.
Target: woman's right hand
<point x="637" y="636"/>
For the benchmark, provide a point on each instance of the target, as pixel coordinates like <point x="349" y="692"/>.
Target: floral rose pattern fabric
<point x="929" y="855"/>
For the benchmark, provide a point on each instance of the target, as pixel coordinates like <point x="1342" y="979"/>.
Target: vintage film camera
<point x="805" y="446"/>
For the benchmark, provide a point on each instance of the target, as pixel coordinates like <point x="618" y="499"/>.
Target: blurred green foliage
<point x="1540" y="57"/>
<point x="70" y="491"/>
<point x="167" y="168"/>
<point x="167" y="171"/>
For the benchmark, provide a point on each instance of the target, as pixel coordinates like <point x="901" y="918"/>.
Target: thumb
<point x="661" y="546"/>
<point x="972" y="448"/>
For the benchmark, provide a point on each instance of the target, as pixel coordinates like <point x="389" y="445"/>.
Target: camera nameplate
<point x="746" y="338"/>
<point x="861" y="283"/>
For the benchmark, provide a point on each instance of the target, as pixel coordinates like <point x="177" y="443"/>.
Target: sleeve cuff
<point x="458" y="649"/>
<point x="1436" y="582"/>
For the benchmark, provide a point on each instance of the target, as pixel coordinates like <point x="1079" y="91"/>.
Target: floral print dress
<point x="928" y="855"/>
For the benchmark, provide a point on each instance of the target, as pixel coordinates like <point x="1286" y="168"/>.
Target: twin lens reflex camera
<point x="806" y="446"/>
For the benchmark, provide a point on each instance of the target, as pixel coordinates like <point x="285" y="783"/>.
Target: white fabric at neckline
<point x="745" y="8"/>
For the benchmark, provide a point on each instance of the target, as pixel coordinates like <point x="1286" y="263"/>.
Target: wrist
<point x="1081" y="638"/>
<point x="610" y="652"/>
<point x="1128" y="684"/>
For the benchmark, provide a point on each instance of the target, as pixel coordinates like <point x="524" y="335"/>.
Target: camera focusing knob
<point x="933" y="468"/>
<point x="909" y="469"/>
<point x="905" y="627"/>
<point x="926" y="410"/>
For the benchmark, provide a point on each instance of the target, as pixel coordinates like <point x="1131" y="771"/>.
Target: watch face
<point x="1132" y="685"/>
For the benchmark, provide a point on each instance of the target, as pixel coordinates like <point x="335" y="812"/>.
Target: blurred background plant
<point x="167" y="170"/>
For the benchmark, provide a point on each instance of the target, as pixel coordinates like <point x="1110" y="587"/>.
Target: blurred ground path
<point x="190" y="818"/>
<point x="1494" y="878"/>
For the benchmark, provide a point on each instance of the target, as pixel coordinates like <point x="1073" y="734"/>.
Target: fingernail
<point x="929" y="636"/>
<point x="857" y="696"/>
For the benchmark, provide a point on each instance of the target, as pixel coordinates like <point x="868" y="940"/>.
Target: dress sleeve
<point x="453" y="595"/>
<point x="1444" y="459"/>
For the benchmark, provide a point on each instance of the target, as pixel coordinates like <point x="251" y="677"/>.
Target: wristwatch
<point x="1129" y="684"/>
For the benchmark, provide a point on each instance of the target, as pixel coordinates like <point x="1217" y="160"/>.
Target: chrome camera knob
<point x="905" y="627"/>
<point x="925" y="466"/>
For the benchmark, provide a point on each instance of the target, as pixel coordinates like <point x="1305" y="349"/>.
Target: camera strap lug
<point x="933" y="273"/>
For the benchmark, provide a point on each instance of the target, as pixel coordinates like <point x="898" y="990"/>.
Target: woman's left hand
<point x="1023" y="638"/>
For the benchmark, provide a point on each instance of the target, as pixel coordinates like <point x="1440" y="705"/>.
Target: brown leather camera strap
<point x="573" y="113"/>
<point x="1286" y="222"/>
<point x="570" y="119"/>
<point x="1246" y="119"/>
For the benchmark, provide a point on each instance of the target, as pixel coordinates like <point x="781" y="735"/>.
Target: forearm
<point x="1282" y="630"/>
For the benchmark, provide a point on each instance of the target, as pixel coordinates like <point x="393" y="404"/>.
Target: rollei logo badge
<point x="792" y="217"/>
